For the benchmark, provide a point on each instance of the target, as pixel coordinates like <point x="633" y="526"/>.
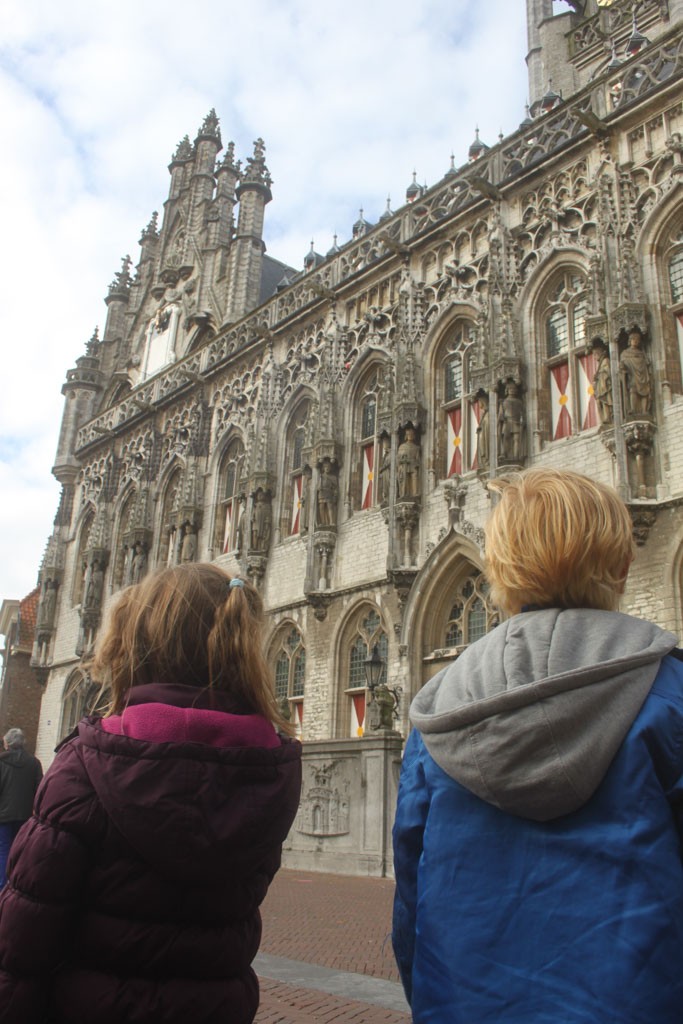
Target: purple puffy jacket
<point x="134" y="889"/>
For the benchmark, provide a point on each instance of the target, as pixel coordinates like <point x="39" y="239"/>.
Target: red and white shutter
<point x="357" y="713"/>
<point x="297" y="483"/>
<point x="559" y="400"/>
<point x="588" y="412"/>
<point x="368" y="465"/>
<point x="298" y="708"/>
<point x="454" y="455"/>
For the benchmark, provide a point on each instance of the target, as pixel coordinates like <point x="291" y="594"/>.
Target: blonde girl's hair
<point x="187" y="625"/>
<point x="557" y="539"/>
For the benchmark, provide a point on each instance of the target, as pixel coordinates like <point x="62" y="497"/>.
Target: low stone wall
<point x="347" y="806"/>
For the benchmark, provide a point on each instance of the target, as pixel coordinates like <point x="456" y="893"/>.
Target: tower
<point x="246" y="257"/>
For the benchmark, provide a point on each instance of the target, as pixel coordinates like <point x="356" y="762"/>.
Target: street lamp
<point x="374" y="669"/>
<point x="385" y="697"/>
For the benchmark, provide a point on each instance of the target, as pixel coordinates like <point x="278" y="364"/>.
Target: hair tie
<point x="235" y="582"/>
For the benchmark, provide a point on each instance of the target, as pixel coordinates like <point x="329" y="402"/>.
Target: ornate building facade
<point x="329" y="432"/>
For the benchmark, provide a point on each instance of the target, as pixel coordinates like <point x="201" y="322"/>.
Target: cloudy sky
<point x="350" y="97"/>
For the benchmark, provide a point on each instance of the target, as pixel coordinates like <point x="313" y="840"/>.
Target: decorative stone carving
<point x="324" y="543"/>
<point x="636" y="377"/>
<point x="138" y="566"/>
<point x="46" y="607"/>
<point x="261" y="521"/>
<point x="384" y="486"/>
<point x="408" y="465"/>
<point x="188" y="551"/>
<point x="327" y="495"/>
<point x="639" y="436"/>
<point x="511" y="425"/>
<point x="324" y="807"/>
<point x="483" y="434"/>
<point x="643" y="520"/>
<point x="407" y="516"/>
<point x="602" y="383"/>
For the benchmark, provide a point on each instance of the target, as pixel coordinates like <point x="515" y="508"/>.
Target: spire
<point x="120" y="286"/>
<point x="228" y="162"/>
<point x="478" y="148"/>
<point x="414" y="191"/>
<point x="210" y="128"/>
<point x="151" y="232"/>
<point x="93" y="344"/>
<point x="312" y="258"/>
<point x="451" y="170"/>
<point x="183" y="151"/>
<point x="614" y="63"/>
<point x="637" y="40"/>
<point x="388" y="212"/>
<point x="550" y="99"/>
<point x="256" y="171"/>
<point x="362" y="226"/>
<point x="335" y="248"/>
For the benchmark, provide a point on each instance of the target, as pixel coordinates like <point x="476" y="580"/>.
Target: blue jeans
<point x="8" y="831"/>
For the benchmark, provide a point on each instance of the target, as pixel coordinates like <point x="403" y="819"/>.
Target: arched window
<point x="290" y="675"/>
<point x="471" y="613"/>
<point x="570" y="368"/>
<point x="366" y="482"/>
<point x="461" y="412"/>
<point x="367" y="632"/>
<point x="230" y="507"/>
<point x="676" y="286"/>
<point x="295" y="513"/>
<point x="81" y="697"/>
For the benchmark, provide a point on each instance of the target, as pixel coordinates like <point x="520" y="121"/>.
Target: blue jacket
<point x="539" y="828"/>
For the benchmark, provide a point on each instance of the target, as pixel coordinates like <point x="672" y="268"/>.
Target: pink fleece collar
<point x="164" y="723"/>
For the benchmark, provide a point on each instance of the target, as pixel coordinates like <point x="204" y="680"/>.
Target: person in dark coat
<point x="539" y="826"/>
<point x="134" y="889"/>
<point x="20" y="775"/>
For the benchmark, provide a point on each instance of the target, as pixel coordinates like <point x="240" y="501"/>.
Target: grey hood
<point x="530" y="717"/>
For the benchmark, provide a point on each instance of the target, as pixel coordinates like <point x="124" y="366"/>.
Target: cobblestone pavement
<point x="326" y="953"/>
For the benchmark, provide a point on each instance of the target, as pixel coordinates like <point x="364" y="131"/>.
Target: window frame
<point x="571" y="402"/>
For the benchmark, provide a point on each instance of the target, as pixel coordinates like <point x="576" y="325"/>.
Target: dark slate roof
<point x="271" y="275"/>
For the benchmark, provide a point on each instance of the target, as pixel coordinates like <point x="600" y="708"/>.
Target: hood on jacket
<point x="193" y="809"/>
<point x="530" y="717"/>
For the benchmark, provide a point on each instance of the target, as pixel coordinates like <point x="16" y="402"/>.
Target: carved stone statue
<point x="408" y="466"/>
<point x="139" y="565"/>
<point x="261" y="522"/>
<point x="636" y="377"/>
<point x="305" y="503"/>
<point x="241" y="526"/>
<point x="384" y="472"/>
<point x="46" y="608"/>
<point x="188" y="550"/>
<point x="483" y="445"/>
<point x="602" y="383"/>
<point x="328" y="495"/>
<point x="511" y="424"/>
<point x="94" y="586"/>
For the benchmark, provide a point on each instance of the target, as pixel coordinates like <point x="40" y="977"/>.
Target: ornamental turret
<point x="81" y="390"/>
<point x="246" y="256"/>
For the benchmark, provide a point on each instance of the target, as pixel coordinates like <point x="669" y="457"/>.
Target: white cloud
<point x="350" y="97"/>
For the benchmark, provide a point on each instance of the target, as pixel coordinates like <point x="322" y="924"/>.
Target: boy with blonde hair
<point x="537" y="843"/>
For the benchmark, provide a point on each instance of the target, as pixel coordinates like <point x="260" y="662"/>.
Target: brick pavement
<point x="338" y="922"/>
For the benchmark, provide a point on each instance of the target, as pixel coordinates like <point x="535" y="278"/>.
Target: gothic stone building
<point x="329" y="432"/>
